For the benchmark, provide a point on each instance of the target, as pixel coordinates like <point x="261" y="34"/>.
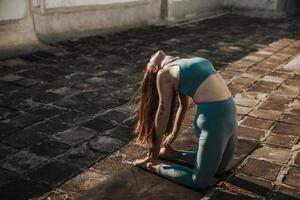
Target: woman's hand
<point x="169" y="140"/>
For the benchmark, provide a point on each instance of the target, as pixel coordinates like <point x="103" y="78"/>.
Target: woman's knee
<point x="200" y="183"/>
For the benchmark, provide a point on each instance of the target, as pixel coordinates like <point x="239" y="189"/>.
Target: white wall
<point x="261" y="8"/>
<point x="28" y="24"/>
<point x="12" y="9"/>
<point x="17" y="34"/>
<point x="252" y="4"/>
<point x="57" y="20"/>
<point x="74" y="3"/>
<point x="184" y="9"/>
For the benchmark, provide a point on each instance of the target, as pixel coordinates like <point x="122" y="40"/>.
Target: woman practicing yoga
<point x="215" y="119"/>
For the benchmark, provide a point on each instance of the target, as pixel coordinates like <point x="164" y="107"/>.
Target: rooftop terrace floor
<point x="66" y="122"/>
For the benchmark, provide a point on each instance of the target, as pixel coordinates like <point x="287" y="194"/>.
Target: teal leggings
<point x="216" y="132"/>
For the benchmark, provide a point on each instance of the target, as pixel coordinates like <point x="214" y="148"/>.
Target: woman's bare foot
<point x="142" y="162"/>
<point x="153" y="166"/>
<point x="168" y="153"/>
<point x="148" y="164"/>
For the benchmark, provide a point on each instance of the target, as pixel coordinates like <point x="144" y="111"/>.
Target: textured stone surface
<point x="83" y="182"/>
<point x="114" y="115"/>
<point x="81" y="156"/>
<point x="121" y="131"/>
<point x="74" y="136"/>
<point x="50" y="127"/>
<point x="266" y="114"/>
<point x="243" y="110"/>
<point x="297" y="159"/>
<point x="275" y="102"/>
<point x="288" y="129"/>
<point x="6" y="151"/>
<point x="58" y="194"/>
<point x="257" y="123"/>
<point x="294" y="107"/>
<point x="47" y="96"/>
<point x="24" y="120"/>
<point x="49" y="148"/>
<point x="136" y="183"/>
<point x="248" y="185"/>
<point x="23" y="138"/>
<point x="273" y="79"/>
<point x="280" y="140"/>
<point x="261" y="168"/>
<point x="275" y="154"/>
<point x="53" y="173"/>
<point x="106" y="144"/>
<point x="291" y="119"/>
<point x="22" y="162"/>
<point x="229" y="195"/>
<point x="292" y="178"/>
<point x="10" y="77"/>
<point x="287" y="91"/>
<point x="285" y="193"/>
<point x="99" y="124"/>
<point x="251" y="133"/>
<point x="244" y="101"/>
<point x="26" y="189"/>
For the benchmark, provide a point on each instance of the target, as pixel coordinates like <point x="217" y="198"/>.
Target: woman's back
<point x="197" y="78"/>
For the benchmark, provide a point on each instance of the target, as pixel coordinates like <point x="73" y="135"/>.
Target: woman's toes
<point x="140" y="162"/>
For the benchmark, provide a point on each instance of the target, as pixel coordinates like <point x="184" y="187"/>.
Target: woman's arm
<point x="165" y="93"/>
<point x="180" y="114"/>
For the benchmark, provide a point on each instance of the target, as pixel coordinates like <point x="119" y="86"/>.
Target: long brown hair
<point x="147" y="98"/>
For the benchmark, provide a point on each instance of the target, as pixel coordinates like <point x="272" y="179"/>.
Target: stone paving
<point x="66" y="123"/>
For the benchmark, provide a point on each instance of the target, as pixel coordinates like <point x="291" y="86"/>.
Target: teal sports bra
<point x="193" y="71"/>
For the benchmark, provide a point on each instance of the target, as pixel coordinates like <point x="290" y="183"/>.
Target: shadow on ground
<point x="65" y="110"/>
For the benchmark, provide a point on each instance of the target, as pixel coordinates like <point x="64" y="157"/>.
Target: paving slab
<point x="136" y="184"/>
<point x="52" y="173"/>
<point x="250" y="133"/>
<point x="285" y="128"/>
<point x="285" y="193"/>
<point x="128" y="179"/>
<point x="22" y="162"/>
<point x="261" y="168"/>
<point x="280" y="140"/>
<point x="74" y="136"/>
<point x="26" y="189"/>
<point x="248" y="185"/>
<point x="258" y="123"/>
<point x="292" y="178"/>
<point x="73" y="107"/>
<point x="293" y="65"/>
<point x="81" y="156"/>
<point x="273" y="153"/>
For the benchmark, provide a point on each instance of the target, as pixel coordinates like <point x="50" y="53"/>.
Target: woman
<point x="215" y="119"/>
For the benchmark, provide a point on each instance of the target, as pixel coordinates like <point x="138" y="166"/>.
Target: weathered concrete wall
<point x="28" y="24"/>
<point x="288" y="6"/>
<point x="56" y="20"/>
<point x="261" y="8"/>
<point x="7" y="6"/>
<point x="17" y="32"/>
<point x="185" y="9"/>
